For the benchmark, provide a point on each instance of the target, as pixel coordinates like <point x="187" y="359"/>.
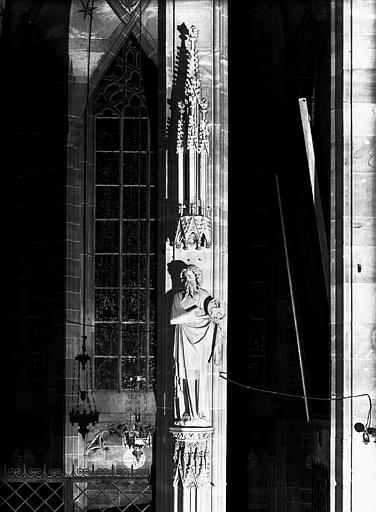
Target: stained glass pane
<point x="131" y="240"/>
<point x="153" y="201"/>
<point x="133" y="373"/>
<point x="106" y="339"/>
<point x="130" y="270"/>
<point x="107" y="236"/>
<point x="153" y="272"/>
<point x="152" y="339"/>
<point x="106" y="270"/>
<point x="134" y="168"/>
<point x="152" y="372"/>
<point x="133" y="339"/>
<point x="135" y="134"/>
<point x="153" y="237"/>
<point x="106" y="373"/>
<point x="132" y="130"/>
<point x="153" y="167"/>
<point x="129" y="372"/>
<point x="134" y="236"/>
<point x="107" y="169"/>
<point x="106" y="305"/>
<point x="134" y="270"/>
<point x="133" y="305"/>
<point x="143" y="232"/>
<point x="153" y="303"/>
<point x="131" y="56"/>
<point x="143" y="369"/>
<point x="142" y="275"/>
<point x="107" y="111"/>
<point x="135" y="109"/>
<point x="106" y="202"/>
<point x="108" y="135"/>
<point x="142" y="344"/>
<point x="134" y="80"/>
<point x="134" y="206"/>
<point x="130" y="202"/>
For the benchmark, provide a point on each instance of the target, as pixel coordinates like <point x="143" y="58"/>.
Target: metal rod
<point x="296" y="324"/>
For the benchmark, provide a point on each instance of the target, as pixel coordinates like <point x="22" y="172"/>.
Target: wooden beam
<point x="315" y="190"/>
<point x="293" y="303"/>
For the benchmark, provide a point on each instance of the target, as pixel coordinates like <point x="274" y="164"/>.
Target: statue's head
<point x="191" y="277"/>
<point x="191" y="272"/>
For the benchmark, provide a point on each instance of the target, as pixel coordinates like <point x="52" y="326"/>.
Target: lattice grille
<point x="116" y="495"/>
<point x="32" y="496"/>
<point x="83" y="490"/>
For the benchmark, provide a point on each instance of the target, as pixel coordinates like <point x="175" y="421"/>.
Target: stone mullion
<point x="121" y="254"/>
<point x="147" y="260"/>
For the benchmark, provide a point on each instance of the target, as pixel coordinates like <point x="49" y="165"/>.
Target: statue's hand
<point x="200" y="312"/>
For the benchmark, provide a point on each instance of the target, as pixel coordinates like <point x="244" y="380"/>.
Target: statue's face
<point x="190" y="277"/>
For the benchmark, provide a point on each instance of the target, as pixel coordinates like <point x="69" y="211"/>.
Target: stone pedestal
<point x="192" y="471"/>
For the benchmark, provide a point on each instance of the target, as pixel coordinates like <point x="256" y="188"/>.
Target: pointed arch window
<point x="125" y="223"/>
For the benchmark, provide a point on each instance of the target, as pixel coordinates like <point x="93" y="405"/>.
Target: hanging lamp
<point x="84" y="411"/>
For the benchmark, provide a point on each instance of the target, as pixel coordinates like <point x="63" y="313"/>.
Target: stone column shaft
<point x="353" y="253"/>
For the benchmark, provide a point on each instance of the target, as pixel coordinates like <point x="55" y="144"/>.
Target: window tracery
<point x="125" y="223"/>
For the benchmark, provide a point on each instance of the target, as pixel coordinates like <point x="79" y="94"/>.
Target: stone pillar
<point x="192" y="471"/>
<point x="175" y="443"/>
<point x="353" y="253"/>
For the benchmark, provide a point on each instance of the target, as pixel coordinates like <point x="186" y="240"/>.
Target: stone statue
<point x="195" y="314"/>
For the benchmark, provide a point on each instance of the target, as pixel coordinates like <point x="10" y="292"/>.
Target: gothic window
<point x="125" y="224"/>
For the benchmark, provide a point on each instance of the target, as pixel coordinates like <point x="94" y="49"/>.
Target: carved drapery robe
<point x="193" y="345"/>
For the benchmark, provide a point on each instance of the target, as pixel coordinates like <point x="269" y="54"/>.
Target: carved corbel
<point x="191" y="457"/>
